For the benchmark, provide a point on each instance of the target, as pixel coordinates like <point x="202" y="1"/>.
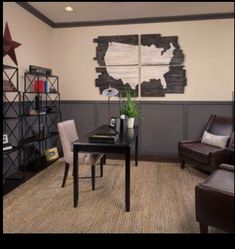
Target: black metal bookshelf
<point x="12" y="125"/>
<point x="41" y="113"/>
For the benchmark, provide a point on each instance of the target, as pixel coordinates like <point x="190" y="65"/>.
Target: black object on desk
<point x="121" y="146"/>
<point x="104" y="134"/>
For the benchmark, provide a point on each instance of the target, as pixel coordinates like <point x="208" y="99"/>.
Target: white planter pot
<point x="130" y="122"/>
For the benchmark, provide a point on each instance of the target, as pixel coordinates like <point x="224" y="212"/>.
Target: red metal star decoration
<point x="9" y="45"/>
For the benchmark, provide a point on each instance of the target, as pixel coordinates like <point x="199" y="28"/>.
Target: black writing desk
<point x="122" y="146"/>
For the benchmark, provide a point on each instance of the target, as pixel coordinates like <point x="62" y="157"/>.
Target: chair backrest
<point x="68" y="134"/>
<point x="219" y="125"/>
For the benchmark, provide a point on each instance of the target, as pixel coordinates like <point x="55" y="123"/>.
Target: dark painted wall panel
<point x="102" y="112"/>
<point x="161" y="128"/>
<point x="83" y="115"/>
<point x="198" y="115"/>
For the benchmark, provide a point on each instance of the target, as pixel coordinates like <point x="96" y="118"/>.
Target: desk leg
<point x="136" y="150"/>
<point x="75" y="178"/>
<point x="127" y="180"/>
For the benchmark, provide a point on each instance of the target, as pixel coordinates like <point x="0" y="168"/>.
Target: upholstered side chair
<point x="208" y="157"/>
<point x="68" y="134"/>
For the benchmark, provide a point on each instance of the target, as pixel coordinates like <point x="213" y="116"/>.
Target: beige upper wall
<point x="34" y="35"/>
<point x="208" y="46"/>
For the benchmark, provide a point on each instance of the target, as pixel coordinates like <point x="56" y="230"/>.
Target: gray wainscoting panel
<point x="102" y="112"/>
<point x="161" y="128"/>
<point x="198" y="115"/>
<point x="162" y="123"/>
<point x="82" y="113"/>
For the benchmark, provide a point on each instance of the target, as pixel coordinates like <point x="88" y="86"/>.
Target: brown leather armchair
<point x="215" y="200"/>
<point x="207" y="157"/>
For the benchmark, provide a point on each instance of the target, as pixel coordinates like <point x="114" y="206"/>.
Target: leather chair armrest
<point x="227" y="167"/>
<point x="198" y="140"/>
<point x="218" y="157"/>
<point x="215" y="208"/>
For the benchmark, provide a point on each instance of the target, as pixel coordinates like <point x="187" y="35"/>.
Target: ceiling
<point x="103" y="11"/>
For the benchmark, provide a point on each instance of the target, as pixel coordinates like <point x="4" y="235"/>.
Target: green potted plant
<point x="129" y="109"/>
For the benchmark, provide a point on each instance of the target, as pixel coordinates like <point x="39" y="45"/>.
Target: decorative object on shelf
<point x="51" y="154"/>
<point x="40" y="70"/>
<point x="129" y="109"/>
<point x="32" y="112"/>
<point x="52" y="90"/>
<point x="9" y="45"/>
<point x="8" y="86"/>
<point x="38" y="102"/>
<point x="160" y="69"/>
<point x="6" y="144"/>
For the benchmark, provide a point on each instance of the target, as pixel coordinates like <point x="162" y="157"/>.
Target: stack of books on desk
<point x="104" y="134"/>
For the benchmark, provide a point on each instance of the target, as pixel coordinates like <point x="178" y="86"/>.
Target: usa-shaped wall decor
<point x="153" y="63"/>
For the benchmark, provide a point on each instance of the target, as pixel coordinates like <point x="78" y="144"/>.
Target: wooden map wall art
<point x="153" y="63"/>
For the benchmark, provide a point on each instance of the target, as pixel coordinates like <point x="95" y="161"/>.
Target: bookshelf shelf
<point x="40" y="129"/>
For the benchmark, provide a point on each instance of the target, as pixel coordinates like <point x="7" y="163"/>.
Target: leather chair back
<point x="219" y="125"/>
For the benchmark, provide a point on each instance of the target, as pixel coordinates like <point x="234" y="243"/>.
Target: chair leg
<point x="73" y="172"/>
<point x="203" y="228"/>
<point x="93" y="176"/>
<point x="182" y="164"/>
<point x="66" y="170"/>
<point x="101" y="166"/>
<point x="104" y="158"/>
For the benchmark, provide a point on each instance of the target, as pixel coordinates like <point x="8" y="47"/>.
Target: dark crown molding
<point x="36" y="13"/>
<point x="43" y="18"/>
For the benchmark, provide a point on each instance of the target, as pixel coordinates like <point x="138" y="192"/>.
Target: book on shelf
<point x="47" y="87"/>
<point x="39" y="86"/>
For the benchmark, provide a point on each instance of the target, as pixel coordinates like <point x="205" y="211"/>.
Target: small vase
<point x="130" y="122"/>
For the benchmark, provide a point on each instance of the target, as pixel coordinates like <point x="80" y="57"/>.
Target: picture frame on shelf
<point x="51" y="154"/>
<point x="5" y="139"/>
<point x="6" y="144"/>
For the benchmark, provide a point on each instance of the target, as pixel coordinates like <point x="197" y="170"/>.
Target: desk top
<point x="125" y="139"/>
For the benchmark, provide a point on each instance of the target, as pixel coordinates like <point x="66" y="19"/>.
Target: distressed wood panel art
<point x="154" y="63"/>
<point x="117" y="56"/>
<point x="112" y="79"/>
<point x="161" y="66"/>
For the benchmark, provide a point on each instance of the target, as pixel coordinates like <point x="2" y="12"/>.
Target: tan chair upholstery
<point x="68" y="134"/>
<point x="206" y="156"/>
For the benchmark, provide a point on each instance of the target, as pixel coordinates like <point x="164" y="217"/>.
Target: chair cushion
<point x="220" y="180"/>
<point x="215" y="140"/>
<point x="198" y="151"/>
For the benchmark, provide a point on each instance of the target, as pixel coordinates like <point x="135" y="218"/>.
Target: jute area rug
<point x="162" y="201"/>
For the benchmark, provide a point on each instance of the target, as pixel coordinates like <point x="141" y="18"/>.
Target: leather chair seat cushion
<point x="220" y="180"/>
<point x="198" y="151"/>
